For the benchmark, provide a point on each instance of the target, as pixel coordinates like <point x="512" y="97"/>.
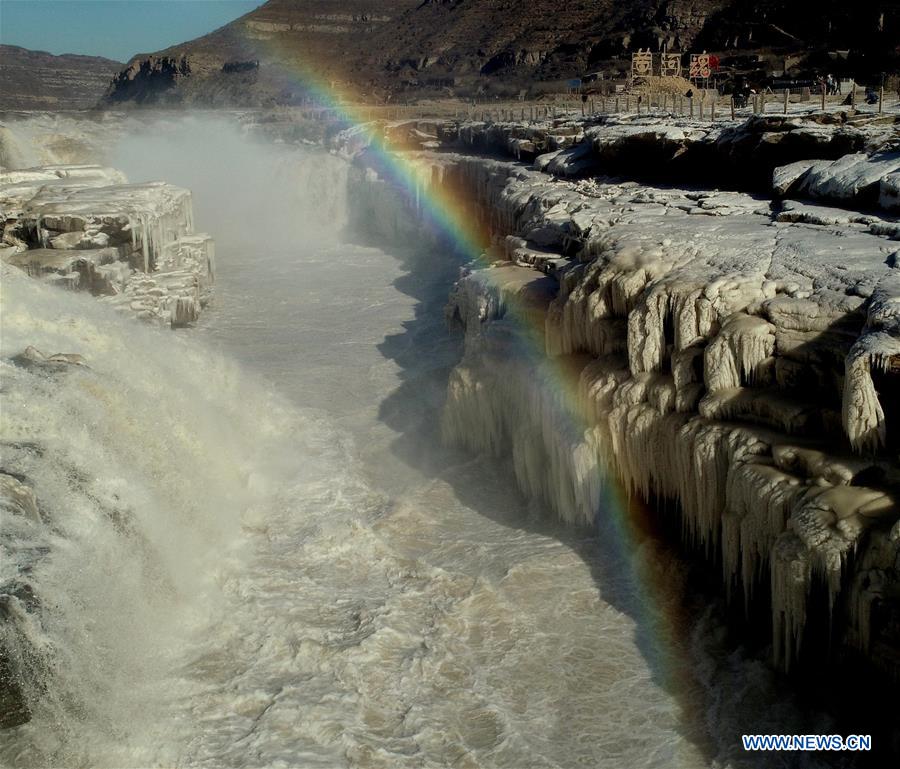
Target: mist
<point x="247" y="192"/>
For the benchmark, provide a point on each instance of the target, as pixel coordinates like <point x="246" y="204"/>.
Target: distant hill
<point x="263" y="58"/>
<point x="39" y="80"/>
<point x="398" y="49"/>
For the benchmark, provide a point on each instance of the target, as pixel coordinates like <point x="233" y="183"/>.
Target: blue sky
<point x="117" y="29"/>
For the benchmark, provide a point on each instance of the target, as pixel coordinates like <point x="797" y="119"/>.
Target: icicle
<point x="736" y="356"/>
<point x="759" y="501"/>
<point x="861" y="412"/>
<point x="646" y="334"/>
<point x="145" y="245"/>
<point x="791" y="577"/>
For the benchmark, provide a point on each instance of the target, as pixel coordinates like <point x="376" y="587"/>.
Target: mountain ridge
<point x="34" y="80"/>
<point x="384" y="51"/>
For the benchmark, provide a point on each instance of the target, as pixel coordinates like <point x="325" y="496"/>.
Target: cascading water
<point x="143" y="466"/>
<point x="253" y="551"/>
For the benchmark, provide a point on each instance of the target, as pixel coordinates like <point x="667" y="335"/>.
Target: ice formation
<point x="133" y="245"/>
<point x="738" y="357"/>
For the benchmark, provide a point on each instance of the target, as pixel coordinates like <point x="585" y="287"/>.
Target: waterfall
<point x="143" y="462"/>
<point x="132" y="475"/>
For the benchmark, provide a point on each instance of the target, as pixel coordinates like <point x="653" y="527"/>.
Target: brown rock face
<point x="42" y="81"/>
<point x="147" y="79"/>
<point x="269" y="56"/>
<point x="382" y="49"/>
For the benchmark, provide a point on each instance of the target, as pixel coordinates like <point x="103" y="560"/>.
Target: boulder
<point x="32" y="358"/>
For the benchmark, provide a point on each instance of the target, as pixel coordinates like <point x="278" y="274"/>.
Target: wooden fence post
<point x="691" y="105"/>
<point x="787" y="95"/>
<point x="732" y="107"/>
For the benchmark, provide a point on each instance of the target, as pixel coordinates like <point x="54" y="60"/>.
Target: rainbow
<point x="625" y="522"/>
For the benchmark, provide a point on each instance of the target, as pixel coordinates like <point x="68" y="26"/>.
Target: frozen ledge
<point x="844" y="158"/>
<point x="132" y="245"/>
<point x="700" y="347"/>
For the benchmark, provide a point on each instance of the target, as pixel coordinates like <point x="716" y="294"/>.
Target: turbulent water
<point x="257" y="553"/>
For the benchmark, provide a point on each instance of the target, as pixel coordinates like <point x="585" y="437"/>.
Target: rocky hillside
<point x="39" y="80"/>
<point x="542" y="40"/>
<point x="389" y="49"/>
<point x="266" y="57"/>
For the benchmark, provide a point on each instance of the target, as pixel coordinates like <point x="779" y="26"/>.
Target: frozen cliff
<point x="132" y="245"/>
<point x="834" y="157"/>
<point x="736" y="355"/>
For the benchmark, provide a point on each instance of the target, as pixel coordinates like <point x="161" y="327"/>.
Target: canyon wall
<point x="734" y="355"/>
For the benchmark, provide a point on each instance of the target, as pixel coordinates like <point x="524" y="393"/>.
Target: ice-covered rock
<point x="85" y="228"/>
<point x="784" y="178"/>
<point x="32" y="358"/>
<point x="745" y="365"/>
<point x="849" y="178"/>
<point x="889" y="192"/>
<point x="729" y="154"/>
<point x="18" y="498"/>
